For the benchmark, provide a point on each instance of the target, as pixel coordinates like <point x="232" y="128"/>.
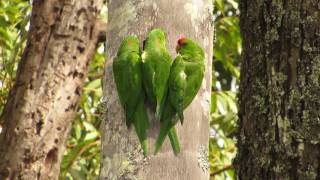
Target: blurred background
<point x="82" y="157"/>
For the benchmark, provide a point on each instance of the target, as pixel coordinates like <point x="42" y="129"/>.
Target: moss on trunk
<point x="279" y="127"/>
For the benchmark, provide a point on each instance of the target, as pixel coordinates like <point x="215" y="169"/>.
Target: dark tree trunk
<point x="38" y="114"/>
<point x="121" y="155"/>
<point x="279" y="128"/>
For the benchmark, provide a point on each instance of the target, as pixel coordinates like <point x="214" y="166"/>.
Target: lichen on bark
<point x="279" y="127"/>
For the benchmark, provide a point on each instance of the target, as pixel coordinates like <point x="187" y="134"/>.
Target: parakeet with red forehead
<point x="156" y="64"/>
<point x="185" y="79"/>
<point x="128" y="78"/>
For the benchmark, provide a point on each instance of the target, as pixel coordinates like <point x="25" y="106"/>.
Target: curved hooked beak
<point x="177" y="48"/>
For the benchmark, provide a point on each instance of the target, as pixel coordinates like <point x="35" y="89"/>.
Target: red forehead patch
<point x="181" y="41"/>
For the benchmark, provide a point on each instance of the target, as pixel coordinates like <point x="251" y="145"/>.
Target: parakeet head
<point x="181" y="42"/>
<point x="156" y="37"/>
<point x="190" y="49"/>
<point x="129" y="44"/>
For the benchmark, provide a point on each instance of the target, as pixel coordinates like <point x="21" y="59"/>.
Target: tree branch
<point x="225" y="168"/>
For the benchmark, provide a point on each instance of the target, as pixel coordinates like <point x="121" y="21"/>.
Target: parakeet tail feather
<point x="141" y="124"/>
<point x="174" y="140"/>
<point x="164" y="129"/>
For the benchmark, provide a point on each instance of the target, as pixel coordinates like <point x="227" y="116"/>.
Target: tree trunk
<point x="279" y="128"/>
<point x="62" y="39"/>
<point x="121" y="155"/>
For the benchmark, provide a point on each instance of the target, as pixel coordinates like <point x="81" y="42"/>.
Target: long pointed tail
<point x="164" y="129"/>
<point x="167" y="128"/>
<point x="141" y="124"/>
<point x="174" y="140"/>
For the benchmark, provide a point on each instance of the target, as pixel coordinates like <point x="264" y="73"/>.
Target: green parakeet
<point x="156" y="64"/>
<point x="185" y="80"/>
<point x="128" y="78"/>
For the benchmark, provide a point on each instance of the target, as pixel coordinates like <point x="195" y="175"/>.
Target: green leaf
<point x="75" y="152"/>
<point x="220" y="5"/>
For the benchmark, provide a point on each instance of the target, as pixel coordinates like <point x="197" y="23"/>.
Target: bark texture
<point x="121" y="154"/>
<point x="42" y="104"/>
<point x="279" y="128"/>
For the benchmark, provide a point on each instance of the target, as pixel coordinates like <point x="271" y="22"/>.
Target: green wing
<point x="195" y="74"/>
<point x="163" y="70"/>
<point x="149" y="73"/>
<point x="177" y="86"/>
<point x="127" y="75"/>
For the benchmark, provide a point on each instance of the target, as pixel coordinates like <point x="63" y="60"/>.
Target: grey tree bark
<point x="37" y="116"/>
<point x="121" y="154"/>
<point x="279" y="128"/>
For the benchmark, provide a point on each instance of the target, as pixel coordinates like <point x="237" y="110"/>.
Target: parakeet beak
<point x="177" y="48"/>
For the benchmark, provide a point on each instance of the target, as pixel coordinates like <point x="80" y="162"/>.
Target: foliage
<point x="82" y="157"/>
<point x="14" y="18"/>
<point x="227" y="49"/>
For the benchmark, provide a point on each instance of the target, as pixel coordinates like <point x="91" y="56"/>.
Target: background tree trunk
<point x="121" y="154"/>
<point x="38" y="114"/>
<point x="279" y="135"/>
